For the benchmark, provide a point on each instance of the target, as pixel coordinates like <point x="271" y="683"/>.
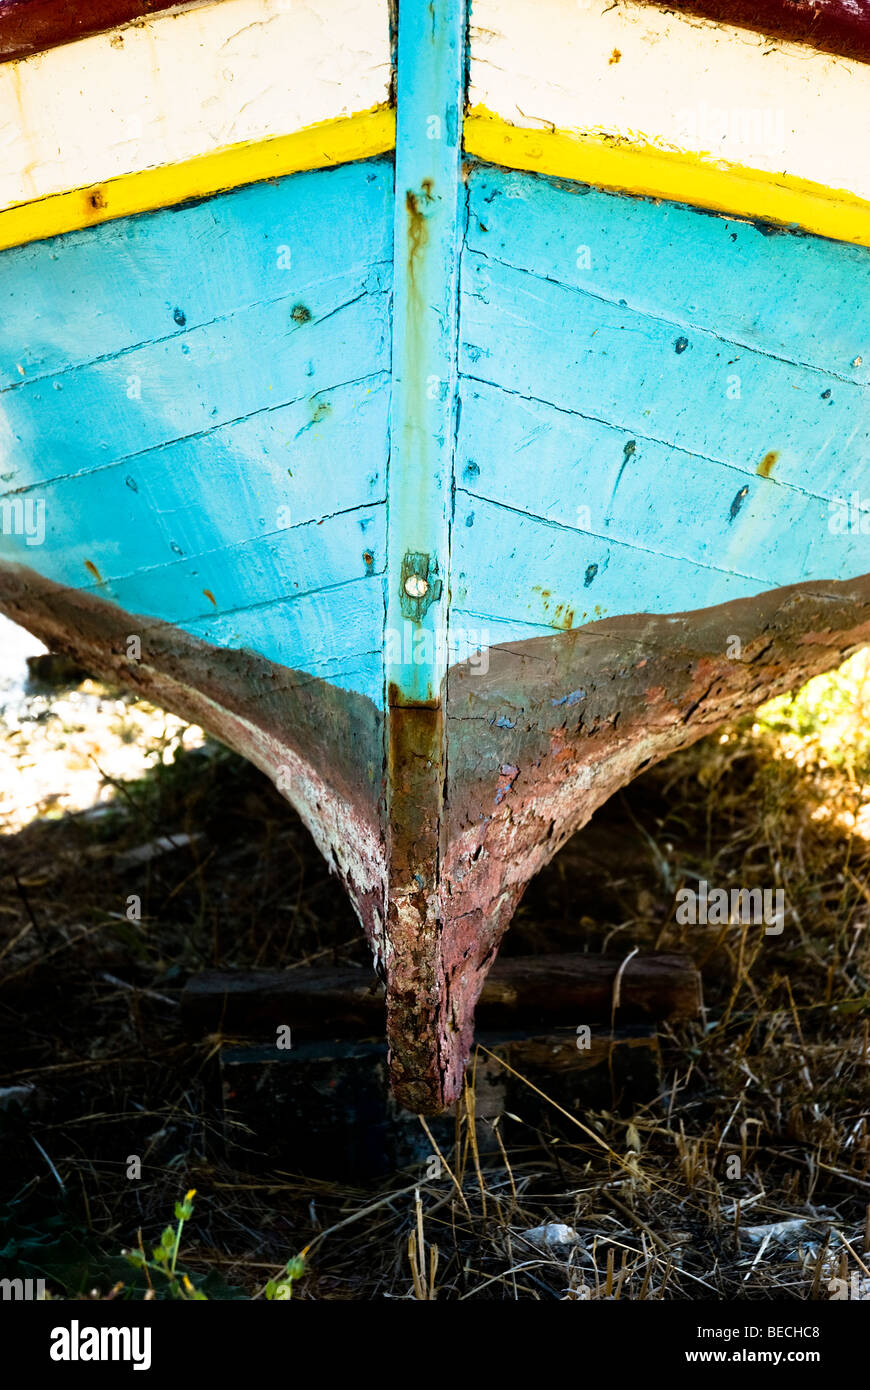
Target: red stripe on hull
<point x="32" y="26"/>
<point x="830" y="26"/>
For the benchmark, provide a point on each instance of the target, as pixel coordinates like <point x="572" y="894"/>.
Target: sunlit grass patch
<point x="824" y="729"/>
<point x="827" y="721"/>
<point x="65" y="751"/>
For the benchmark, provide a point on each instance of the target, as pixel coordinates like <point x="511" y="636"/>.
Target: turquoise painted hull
<point x="208" y="439"/>
<point x="209" y="435"/>
<point x="670" y="427"/>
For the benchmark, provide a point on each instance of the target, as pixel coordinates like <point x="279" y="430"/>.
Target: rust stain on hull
<point x="415" y="941"/>
<point x="768" y="463"/>
<point x="418" y="231"/>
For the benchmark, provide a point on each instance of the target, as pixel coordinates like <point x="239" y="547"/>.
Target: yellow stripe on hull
<point x="676" y="176"/>
<point x="621" y="165"/>
<point x="320" y="146"/>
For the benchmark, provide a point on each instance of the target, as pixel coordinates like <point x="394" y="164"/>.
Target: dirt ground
<point x="746" y="1175"/>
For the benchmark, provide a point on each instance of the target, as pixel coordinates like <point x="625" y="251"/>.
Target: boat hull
<point x="450" y="463"/>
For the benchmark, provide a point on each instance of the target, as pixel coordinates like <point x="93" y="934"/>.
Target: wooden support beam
<point x="420" y="949"/>
<point x="343" y="1000"/>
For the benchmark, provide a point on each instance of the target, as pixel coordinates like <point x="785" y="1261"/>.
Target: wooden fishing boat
<point x="453" y="413"/>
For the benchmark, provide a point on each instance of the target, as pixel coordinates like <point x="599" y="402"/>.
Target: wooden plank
<point x="286" y="566"/>
<point x="415" y="948"/>
<point x="639" y="491"/>
<point x="190" y="424"/>
<point x="642" y="374"/>
<point x="185" y="583"/>
<point x="333" y="635"/>
<point x="262" y="473"/>
<point x="652" y="529"/>
<point x="190" y="383"/>
<point x="706" y="404"/>
<point x="323" y="1001"/>
<point x="254" y="245"/>
<point x="800" y="298"/>
<point x="567" y="578"/>
<point x="472" y="631"/>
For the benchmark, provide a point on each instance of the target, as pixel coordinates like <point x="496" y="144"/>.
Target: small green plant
<point x="282" y="1288"/>
<point x="165" y="1255"/>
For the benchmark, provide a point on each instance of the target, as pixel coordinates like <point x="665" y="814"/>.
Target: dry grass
<point x="747" y="1178"/>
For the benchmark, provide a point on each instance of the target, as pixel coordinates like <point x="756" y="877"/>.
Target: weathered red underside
<point x="536" y="744"/>
<point x="322" y="747"/>
<point x="532" y="747"/>
<point x="32" y="26"/>
<point x="830" y="26"/>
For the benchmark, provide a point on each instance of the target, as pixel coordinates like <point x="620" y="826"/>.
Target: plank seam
<point x="649" y="438"/>
<point x="651" y="317"/>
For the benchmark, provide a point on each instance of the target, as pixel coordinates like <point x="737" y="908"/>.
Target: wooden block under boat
<point x="571" y="988"/>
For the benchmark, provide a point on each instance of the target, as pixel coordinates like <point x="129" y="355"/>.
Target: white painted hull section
<point x="648" y="77"/>
<point x="181" y="85"/>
